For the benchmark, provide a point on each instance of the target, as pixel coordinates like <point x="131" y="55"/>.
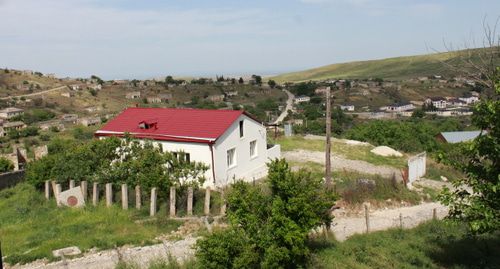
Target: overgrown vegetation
<point x="480" y="161"/>
<point x="31" y="227"/>
<point x="269" y="228"/>
<point x="117" y="161"/>
<point x="410" y="135"/>
<point x="435" y="244"/>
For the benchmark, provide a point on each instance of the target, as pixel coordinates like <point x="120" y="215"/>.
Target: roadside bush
<point x="269" y="228"/>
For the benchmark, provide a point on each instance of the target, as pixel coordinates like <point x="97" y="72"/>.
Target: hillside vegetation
<point x="398" y="68"/>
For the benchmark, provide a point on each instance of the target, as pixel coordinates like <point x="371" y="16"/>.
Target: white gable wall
<point x="246" y="167"/>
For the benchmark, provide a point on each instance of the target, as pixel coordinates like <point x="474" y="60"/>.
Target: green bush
<point x="6" y="165"/>
<point x="269" y="228"/>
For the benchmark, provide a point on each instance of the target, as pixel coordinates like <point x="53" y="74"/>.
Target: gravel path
<point x="289" y="106"/>
<point x="340" y="163"/>
<point x="343" y="226"/>
<point x="34" y="94"/>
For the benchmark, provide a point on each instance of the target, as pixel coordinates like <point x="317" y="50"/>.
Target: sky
<point x="150" y="38"/>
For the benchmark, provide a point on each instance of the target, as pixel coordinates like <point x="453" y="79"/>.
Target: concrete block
<point x="72" y="198"/>
<point x="69" y="251"/>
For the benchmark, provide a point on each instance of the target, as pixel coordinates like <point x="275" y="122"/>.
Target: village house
<point x="302" y="99"/>
<point x="165" y="97"/>
<point x="347" y="107"/>
<point x="11" y="112"/>
<point x="232" y="143"/>
<point x="46" y="126"/>
<point x="153" y="99"/>
<point x="216" y="97"/>
<point x="89" y="121"/>
<point x="10" y="126"/>
<point x="70" y="118"/>
<point x="133" y="95"/>
<point x="400" y="107"/>
<point x="457" y="137"/>
<point x="456" y="102"/>
<point x="437" y="102"/>
<point x="231" y="93"/>
<point x="470" y="99"/>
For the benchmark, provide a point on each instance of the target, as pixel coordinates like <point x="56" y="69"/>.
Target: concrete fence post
<point x="109" y="194"/>
<point x="434" y="214"/>
<point x="400" y="220"/>
<point x="58" y="191"/>
<point x="84" y="186"/>
<point x="54" y="190"/>
<point x="124" y="196"/>
<point x="223" y="206"/>
<point x="152" y="208"/>
<point x="207" y="202"/>
<point x="367" y="218"/>
<point x="172" y="202"/>
<point x="138" y="197"/>
<point x="95" y="194"/>
<point x="190" y="201"/>
<point x="71" y="183"/>
<point x="47" y="189"/>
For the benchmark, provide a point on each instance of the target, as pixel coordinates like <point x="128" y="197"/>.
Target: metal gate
<point x="417" y="167"/>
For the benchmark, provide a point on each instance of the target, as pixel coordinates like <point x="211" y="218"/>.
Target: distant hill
<point x="397" y="68"/>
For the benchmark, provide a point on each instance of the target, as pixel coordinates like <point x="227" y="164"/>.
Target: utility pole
<point x="328" y="164"/>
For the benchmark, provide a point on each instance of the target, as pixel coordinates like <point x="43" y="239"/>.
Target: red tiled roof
<point x="172" y="124"/>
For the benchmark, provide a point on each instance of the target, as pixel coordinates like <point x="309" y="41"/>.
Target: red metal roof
<point x="172" y="124"/>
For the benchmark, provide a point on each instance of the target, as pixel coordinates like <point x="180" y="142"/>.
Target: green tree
<point x="418" y="113"/>
<point x="241" y="81"/>
<point x="271" y="83"/>
<point x="480" y="205"/>
<point x="269" y="230"/>
<point x="6" y="165"/>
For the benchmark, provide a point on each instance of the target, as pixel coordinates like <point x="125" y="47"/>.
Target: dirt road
<point x="289" y="106"/>
<point x="34" y="94"/>
<point x="344" y="227"/>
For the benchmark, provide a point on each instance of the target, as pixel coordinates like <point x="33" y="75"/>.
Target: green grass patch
<point x="31" y="227"/>
<point x="436" y="170"/>
<point x="352" y="152"/>
<point x="355" y="192"/>
<point x="435" y="244"/>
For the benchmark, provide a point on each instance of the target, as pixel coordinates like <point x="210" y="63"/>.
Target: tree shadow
<point x="468" y="251"/>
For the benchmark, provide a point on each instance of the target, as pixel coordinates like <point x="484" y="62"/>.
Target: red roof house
<point x="231" y="142"/>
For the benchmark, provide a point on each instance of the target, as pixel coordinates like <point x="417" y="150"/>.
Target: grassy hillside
<point x="391" y="68"/>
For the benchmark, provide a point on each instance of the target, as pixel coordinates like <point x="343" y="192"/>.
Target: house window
<point x="231" y="157"/>
<point x="182" y="157"/>
<point x="253" y="148"/>
<point x="241" y="128"/>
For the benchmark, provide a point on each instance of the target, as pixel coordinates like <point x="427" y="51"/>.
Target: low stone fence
<point x="213" y="200"/>
<point x="10" y="179"/>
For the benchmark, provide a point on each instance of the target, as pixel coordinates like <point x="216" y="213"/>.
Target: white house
<point x="400" y="107"/>
<point x="302" y="99"/>
<point x="437" y="102"/>
<point x="471" y="99"/>
<point x="11" y="112"/>
<point x="230" y="142"/>
<point x="347" y="107"/>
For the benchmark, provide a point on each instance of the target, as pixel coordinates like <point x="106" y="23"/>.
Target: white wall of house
<point x="246" y="167"/>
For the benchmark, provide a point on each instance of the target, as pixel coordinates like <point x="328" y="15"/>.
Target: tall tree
<point x="476" y="197"/>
